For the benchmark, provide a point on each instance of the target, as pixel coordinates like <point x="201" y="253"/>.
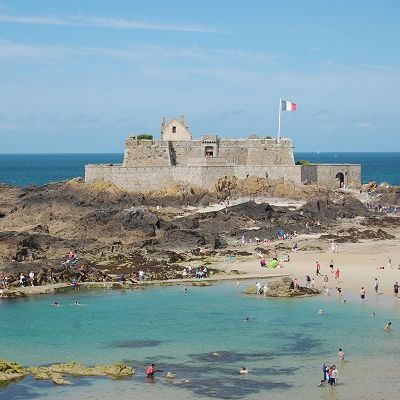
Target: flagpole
<point x="279" y="119"/>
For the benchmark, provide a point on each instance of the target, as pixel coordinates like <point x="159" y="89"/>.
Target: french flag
<point x="288" y="106"/>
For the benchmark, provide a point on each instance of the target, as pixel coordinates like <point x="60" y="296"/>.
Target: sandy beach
<point x="358" y="263"/>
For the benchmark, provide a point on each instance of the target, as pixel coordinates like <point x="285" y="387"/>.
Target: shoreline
<point x="58" y="288"/>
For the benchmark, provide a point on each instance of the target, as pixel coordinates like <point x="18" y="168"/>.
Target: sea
<point x="204" y="335"/>
<point x="40" y="169"/>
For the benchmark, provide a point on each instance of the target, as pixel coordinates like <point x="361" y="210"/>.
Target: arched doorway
<point x="340" y="177"/>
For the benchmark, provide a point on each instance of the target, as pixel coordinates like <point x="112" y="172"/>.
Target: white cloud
<point x="102" y="22"/>
<point x="16" y="50"/>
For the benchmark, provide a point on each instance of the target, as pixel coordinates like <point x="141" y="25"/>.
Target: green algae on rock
<point x="10" y="371"/>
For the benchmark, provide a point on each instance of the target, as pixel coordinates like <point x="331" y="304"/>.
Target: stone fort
<point x="177" y="158"/>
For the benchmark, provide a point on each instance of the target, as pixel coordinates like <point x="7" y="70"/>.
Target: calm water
<point x="38" y="169"/>
<point x="284" y="343"/>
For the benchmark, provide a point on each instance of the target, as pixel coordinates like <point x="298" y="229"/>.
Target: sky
<point x="82" y="76"/>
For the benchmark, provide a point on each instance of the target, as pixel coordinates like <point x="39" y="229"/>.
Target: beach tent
<point x="273" y="264"/>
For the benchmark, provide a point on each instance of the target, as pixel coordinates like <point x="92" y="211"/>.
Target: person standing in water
<point x="376" y="285"/>
<point x="341" y="356"/>
<point x="362" y="293"/>
<point x="335" y="375"/>
<point x="151" y="370"/>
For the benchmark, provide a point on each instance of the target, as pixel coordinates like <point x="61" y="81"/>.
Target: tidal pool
<point x="283" y="343"/>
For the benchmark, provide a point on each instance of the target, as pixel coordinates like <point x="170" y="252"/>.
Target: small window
<point x="174" y="129"/>
<point x="209" y="151"/>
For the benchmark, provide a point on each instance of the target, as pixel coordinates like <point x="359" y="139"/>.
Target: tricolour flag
<point x="288" y="106"/>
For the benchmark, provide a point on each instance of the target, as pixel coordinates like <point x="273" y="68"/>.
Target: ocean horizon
<point x="25" y="169"/>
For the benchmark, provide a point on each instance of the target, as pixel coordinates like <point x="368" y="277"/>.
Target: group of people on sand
<point x="28" y="280"/>
<point x="280" y="235"/>
<point x="70" y="260"/>
<point x="200" y="272"/>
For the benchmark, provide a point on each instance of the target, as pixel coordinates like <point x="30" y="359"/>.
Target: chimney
<point x="163" y="125"/>
<point x="182" y="119"/>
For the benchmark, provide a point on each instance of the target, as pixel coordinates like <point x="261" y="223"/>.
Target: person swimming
<point x="55" y="304"/>
<point x="388" y="327"/>
<point x="77" y="303"/>
<point x="244" y="371"/>
<point x="321" y="311"/>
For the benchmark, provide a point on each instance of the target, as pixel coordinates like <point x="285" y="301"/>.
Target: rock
<point x="283" y="288"/>
<point x="116" y="370"/>
<point x="201" y="283"/>
<point x="170" y="375"/>
<point x="10" y="371"/>
<point x="220" y="243"/>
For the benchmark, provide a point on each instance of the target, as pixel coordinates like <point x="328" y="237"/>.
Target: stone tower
<point x="175" y="130"/>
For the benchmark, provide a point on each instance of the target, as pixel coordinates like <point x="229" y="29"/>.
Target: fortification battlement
<point x="210" y="149"/>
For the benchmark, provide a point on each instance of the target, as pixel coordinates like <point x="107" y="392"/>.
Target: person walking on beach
<point x="337" y="273"/>
<point x="396" y="289"/>
<point x="389" y="263"/>
<point x="362" y="293"/>
<point x="331" y="266"/>
<point x="376" y="285"/>
<point x="325" y="281"/>
<point x="317" y="268"/>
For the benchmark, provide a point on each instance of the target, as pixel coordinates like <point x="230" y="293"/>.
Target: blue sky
<point x="81" y="76"/>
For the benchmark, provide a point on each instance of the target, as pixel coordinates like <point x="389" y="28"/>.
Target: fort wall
<point x="332" y="174"/>
<point x="184" y="152"/>
<point x="143" y="179"/>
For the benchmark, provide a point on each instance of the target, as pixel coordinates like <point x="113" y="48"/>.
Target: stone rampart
<point x="331" y="175"/>
<point x="245" y="152"/>
<point x="143" y="179"/>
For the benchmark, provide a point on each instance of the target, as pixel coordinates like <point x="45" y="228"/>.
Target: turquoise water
<point x="39" y="169"/>
<point x="284" y="342"/>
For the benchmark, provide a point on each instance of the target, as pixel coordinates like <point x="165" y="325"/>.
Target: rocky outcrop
<point x="283" y="287"/>
<point x="10" y="371"/>
<point x="354" y="235"/>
